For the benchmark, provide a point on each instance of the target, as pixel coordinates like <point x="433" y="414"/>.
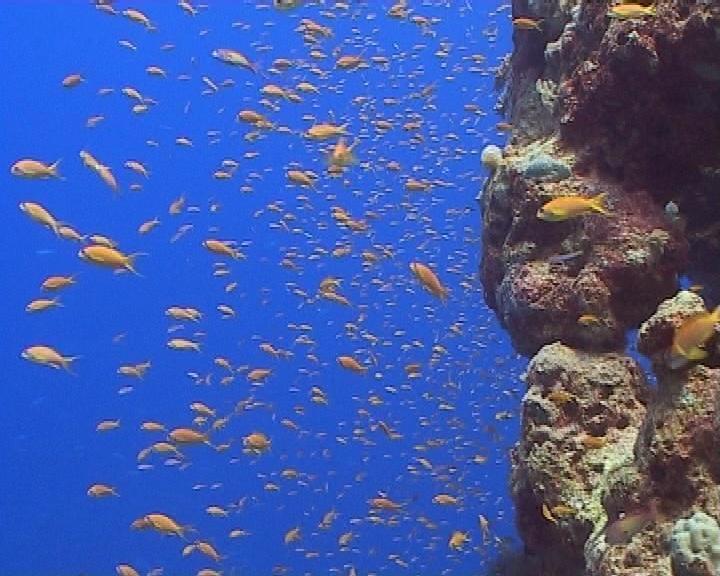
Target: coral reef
<point x="695" y="546"/>
<point x="609" y="470"/>
<point x="542" y="277"/>
<point x="581" y="416"/>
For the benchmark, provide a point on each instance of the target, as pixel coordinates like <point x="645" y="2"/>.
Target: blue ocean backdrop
<point x="433" y="409"/>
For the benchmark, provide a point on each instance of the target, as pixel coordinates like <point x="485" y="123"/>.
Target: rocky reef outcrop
<point x="610" y="458"/>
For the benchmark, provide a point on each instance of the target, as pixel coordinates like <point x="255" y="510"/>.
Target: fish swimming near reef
<point x="567" y="207"/>
<point x="628" y="11"/>
<point x="690" y="337"/>
<point x="622" y="530"/>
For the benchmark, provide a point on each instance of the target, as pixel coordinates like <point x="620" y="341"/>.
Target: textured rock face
<point x="580" y="420"/>
<point x="619" y="104"/>
<point x="630" y="108"/>
<point x="656" y="333"/>
<point x="677" y="449"/>
<point x="695" y="546"/>
<point x="541" y="277"/>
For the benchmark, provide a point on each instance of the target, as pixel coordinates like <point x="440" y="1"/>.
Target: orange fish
<point x="690" y="337"/>
<point x="429" y="280"/>
<point x="48" y="357"/>
<point x="109" y="257"/>
<point x="349" y="363"/>
<point x="342" y="155"/>
<point x="524" y="23"/>
<point x="35" y="169"/>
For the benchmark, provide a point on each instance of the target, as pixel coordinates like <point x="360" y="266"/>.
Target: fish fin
<point x="444" y="295"/>
<point x="696" y="354"/>
<point x="130" y="264"/>
<point x="597" y="203"/>
<point x="67" y="361"/>
<point x="716" y="314"/>
<point x="54" y="169"/>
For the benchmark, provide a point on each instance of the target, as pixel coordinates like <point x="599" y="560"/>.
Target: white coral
<point x="695" y="543"/>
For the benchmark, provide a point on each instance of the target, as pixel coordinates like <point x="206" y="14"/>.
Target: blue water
<point x="51" y="450"/>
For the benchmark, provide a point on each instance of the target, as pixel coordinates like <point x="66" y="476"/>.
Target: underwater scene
<point x="361" y="287"/>
<point x="243" y="329"/>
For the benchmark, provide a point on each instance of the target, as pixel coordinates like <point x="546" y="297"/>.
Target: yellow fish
<point x="458" y="540"/>
<point x="349" y="363"/>
<point x="109" y="257"/>
<point x="567" y="207"/>
<point x="690" y="337"/>
<point x="627" y="11"/>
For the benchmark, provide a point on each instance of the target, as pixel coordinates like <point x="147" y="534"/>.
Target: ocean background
<point x="460" y="413"/>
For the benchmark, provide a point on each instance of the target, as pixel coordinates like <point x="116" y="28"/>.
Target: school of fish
<point x="328" y="217"/>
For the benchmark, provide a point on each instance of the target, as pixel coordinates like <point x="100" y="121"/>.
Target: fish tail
<point x="444" y="295"/>
<point x="130" y="264"/>
<point x="54" y="170"/>
<point x="67" y="362"/>
<point x="597" y="203"/>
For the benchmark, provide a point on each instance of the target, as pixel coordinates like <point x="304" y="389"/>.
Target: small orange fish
<point x="223" y="248"/>
<point x="163" y="524"/>
<point x="342" y="155"/>
<point x="57" y="282"/>
<point x="256" y="442"/>
<point x="384" y="503"/>
<point x="35" y="169"/>
<point x="47" y="356"/>
<point x="588" y="320"/>
<point x="72" y="80"/>
<point x="101" y="491"/>
<point x="109" y="257"/>
<point x="524" y="23"/>
<point x="458" y="540"/>
<point x="429" y="280"/>
<point x="349" y="363"/>
<point x="234" y="58"/>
